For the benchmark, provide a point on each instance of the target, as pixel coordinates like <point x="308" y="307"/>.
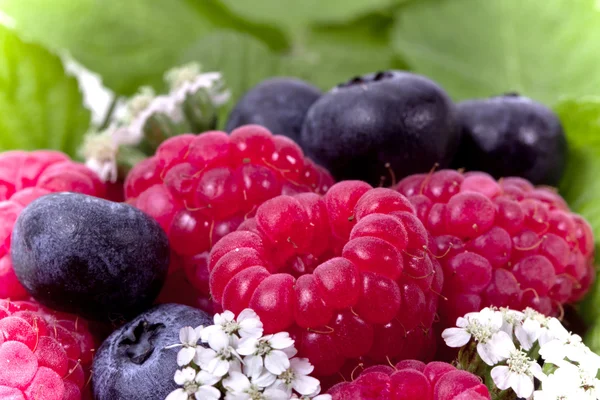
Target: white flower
<point x="528" y="333"/>
<point x="100" y="152"/>
<point x="218" y="361"/>
<point x="493" y="344"/>
<point x="267" y="351"/>
<point x="568" y="382"/>
<point x="316" y="397"/>
<point x="227" y="328"/>
<point x="510" y="319"/>
<point x="518" y="374"/>
<point x="550" y="328"/>
<point x="198" y="386"/>
<point x="571" y="348"/>
<point x="188" y="337"/>
<point x="239" y="387"/>
<point x="296" y="377"/>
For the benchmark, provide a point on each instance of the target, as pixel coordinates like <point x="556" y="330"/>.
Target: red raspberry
<point x="503" y="243"/>
<point x="25" y="176"/>
<point x="412" y="380"/>
<point x="43" y="353"/>
<point x="347" y="274"/>
<point x="201" y="187"/>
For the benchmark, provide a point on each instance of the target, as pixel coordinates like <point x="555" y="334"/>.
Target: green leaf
<point x="129" y="43"/>
<point x="479" y="48"/>
<point x="580" y="185"/>
<point x="295" y="15"/>
<point x="41" y="107"/>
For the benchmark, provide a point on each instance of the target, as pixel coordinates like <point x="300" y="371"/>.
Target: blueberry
<point x="133" y="362"/>
<point x="511" y="135"/>
<point x="381" y="127"/>
<point x="278" y="104"/>
<point x="93" y="257"/>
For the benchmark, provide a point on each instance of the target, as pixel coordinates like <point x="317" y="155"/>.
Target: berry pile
<point x="346" y="274"/>
<point x="201" y="187"/>
<point x="43" y="354"/>
<point x="412" y="380"/>
<point x="502" y="243"/>
<point x="25" y="176"/>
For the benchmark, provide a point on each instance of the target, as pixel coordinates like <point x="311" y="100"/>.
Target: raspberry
<point x="504" y="243"/>
<point x="412" y="380"/>
<point x="43" y="354"/>
<point x="25" y="176"/>
<point x="346" y="273"/>
<point x="201" y="187"/>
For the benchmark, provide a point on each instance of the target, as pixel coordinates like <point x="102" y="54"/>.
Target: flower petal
<point x="204" y="356"/>
<point x="500" y="376"/>
<point x="305" y="385"/>
<point x="177" y="394"/>
<point x="218" y="367"/>
<point x="281" y="340"/>
<point x="522" y="385"/>
<point x="276" y="362"/>
<point x="456" y="337"/>
<point x="265" y="379"/>
<point x="206" y="378"/>
<point x="207" y="393"/>
<point x="183" y="376"/>
<point x="290" y="352"/>
<point x="301" y="366"/>
<point x="236" y="382"/>
<point x="247" y="346"/>
<point x="462" y="322"/>
<point x="187" y="335"/>
<point x="223" y="318"/>
<point x="185" y="356"/>
<point x="218" y="340"/>
<point x="205" y="333"/>
<point x="253" y="366"/>
<point x="537" y="372"/>
<point x="274" y="394"/>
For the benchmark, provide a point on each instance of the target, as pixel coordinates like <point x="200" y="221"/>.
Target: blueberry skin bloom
<point x="512" y="135"/>
<point x="134" y="362"/>
<point x="382" y="127"/>
<point x="93" y="257"/>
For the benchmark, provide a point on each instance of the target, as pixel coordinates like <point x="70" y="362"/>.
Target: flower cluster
<point x="239" y="363"/>
<point x="147" y="119"/>
<point x="525" y="351"/>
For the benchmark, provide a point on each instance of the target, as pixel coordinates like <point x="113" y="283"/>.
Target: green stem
<point x="109" y="113"/>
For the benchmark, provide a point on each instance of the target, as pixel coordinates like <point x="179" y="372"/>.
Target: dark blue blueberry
<point x="93" y="257"/>
<point x="133" y="362"/>
<point x="278" y="104"/>
<point x="511" y="135"/>
<point x="381" y="127"/>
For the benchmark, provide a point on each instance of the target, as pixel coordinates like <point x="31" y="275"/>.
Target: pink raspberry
<point x="503" y="243"/>
<point x="412" y="380"/>
<point x="201" y="187"/>
<point x="25" y="176"/>
<point x="346" y="273"/>
<point x="43" y="354"/>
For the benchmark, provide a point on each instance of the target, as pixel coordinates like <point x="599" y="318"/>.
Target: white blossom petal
<point x="204" y="356"/>
<point x="500" y="376"/>
<point x="237" y="382"/>
<point x="208" y="331"/>
<point x="276" y="362"/>
<point x="462" y="322"/>
<point x="528" y="333"/>
<point x="522" y="385"/>
<point x="207" y="393"/>
<point x="177" y="394"/>
<point x="456" y="337"/>
<point x="247" y="346"/>
<point x="290" y="352"/>
<point x="185" y="356"/>
<point x="218" y="367"/>
<point x="274" y="394"/>
<point x="265" y="379"/>
<point x="305" y="385"/>
<point x="206" y="378"/>
<point x="183" y="376"/>
<point x="253" y="366"/>
<point x="223" y="318"/>
<point x="498" y="348"/>
<point x="281" y="340"/>
<point x="537" y="371"/>
<point x="301" y="366"/>
<point x="218" y="340"/>
<point x="187" y="335"/>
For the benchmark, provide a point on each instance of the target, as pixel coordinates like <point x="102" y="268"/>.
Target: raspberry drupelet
<point x="502" y="243"/>
<point x="348" y="274"/>
<point x="201" y="187"/>
<point x="412" y="380"/>
<point x="43" y="353"/>
<point x="25" y="176"/>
